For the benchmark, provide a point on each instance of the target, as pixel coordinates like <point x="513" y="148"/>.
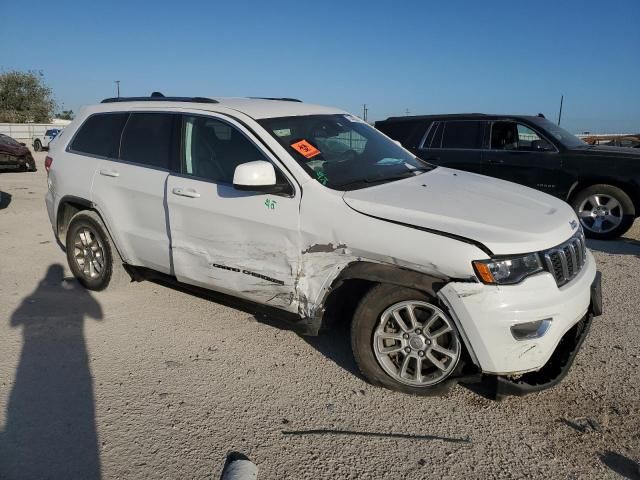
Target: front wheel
<point x="402" y="340"/>
<point x="605" y="211"/>
<point x="37" y="145"/>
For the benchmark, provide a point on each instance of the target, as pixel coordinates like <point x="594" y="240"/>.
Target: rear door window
<point x="100" y="135"/>
<point x="149" y="139"/>
<point x="462" y="134"/>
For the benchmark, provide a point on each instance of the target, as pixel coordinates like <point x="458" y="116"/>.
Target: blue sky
<point x="427" y="57"/>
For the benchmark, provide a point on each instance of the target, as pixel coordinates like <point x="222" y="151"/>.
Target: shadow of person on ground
<point x="623" y="466"/>
<point x="621" y="246"/>
<point x="50" y="429"/>
<point x="5" y="200"/>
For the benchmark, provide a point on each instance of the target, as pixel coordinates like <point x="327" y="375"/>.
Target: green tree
<point x="66" y="115"/>
<point x="24" y="97"/>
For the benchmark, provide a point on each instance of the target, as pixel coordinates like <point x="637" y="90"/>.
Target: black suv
<point x="601" y="183"/>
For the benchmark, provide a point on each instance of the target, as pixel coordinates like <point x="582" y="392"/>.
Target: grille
<point x="566" y="260"/>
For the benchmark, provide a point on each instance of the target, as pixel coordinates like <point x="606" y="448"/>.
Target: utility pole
<point x="407" y="112"/>
<point x="560" y="112"/>
<point x="118" y="87"/>
<point x="364" y="112"/>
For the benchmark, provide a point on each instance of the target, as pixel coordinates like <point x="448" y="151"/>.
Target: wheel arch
<point x="627" y="187"/>
<point x="70" y="205"/>
<point x="348" y="287"/>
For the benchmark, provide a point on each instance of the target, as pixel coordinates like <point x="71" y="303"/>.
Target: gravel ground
<point x="151" y="382"/>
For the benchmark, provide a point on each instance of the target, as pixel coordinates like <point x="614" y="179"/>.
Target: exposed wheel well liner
<point x="359" y="277"/>
<point x="67" y="208"/>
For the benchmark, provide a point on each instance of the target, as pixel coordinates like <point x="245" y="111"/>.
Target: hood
<point x="17" y="149"/>
<point x="505" y="217"/>
<point x="608" y="151"/>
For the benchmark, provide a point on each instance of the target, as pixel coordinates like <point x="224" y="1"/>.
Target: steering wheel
<point x="346" y="156"/>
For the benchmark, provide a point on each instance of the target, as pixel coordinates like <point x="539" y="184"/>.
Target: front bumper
<point x="485" y="314"/>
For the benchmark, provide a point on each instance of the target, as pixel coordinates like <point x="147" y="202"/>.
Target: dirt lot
<point x="150" y="382"/>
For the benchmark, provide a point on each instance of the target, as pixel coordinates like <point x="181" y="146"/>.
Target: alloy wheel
<point x="416" y="343"/>
<point x="600" y="213"/>
<point x="89" y="253"/>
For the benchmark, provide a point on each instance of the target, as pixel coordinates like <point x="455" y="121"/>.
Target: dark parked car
<point x="601" y="183"/>
<point x="15" y="155"/>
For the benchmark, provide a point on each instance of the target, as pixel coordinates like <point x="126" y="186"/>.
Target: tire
<point x="29" y="165"/>
<point x="605" y="211"/>
<point x="374" y="321"/>
<point x="37" y="146"/>
<point x="91" y="254"/>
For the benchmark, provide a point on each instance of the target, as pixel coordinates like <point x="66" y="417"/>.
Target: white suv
<point x="443" y="274"/>
<point x="41" y="142"/>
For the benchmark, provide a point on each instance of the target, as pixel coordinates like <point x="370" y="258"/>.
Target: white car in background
<point x="41" y="142"/>
<point x="443" y="274"/>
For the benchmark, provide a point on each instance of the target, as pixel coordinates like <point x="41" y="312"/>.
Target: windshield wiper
<point x="367" y="181"/>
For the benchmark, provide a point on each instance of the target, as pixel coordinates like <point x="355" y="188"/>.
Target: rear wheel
<point x="404" y="341"/>
<point x="91" y="254"/>
<point x="605" y="211"/>
<point x="37" y="146"/>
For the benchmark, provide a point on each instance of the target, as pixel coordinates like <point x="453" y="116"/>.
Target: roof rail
<point x="159" y="97"/>
<point x="283" y="99"/>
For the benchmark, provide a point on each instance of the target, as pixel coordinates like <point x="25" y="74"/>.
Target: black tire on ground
<point x="363" y="326"/>
<point x="37" y="146"/>
<point x="29" y="165"/>
<point x="112" y="272"/>
<point x="625" y="204"/>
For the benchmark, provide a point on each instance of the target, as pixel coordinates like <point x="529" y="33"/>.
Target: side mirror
<point x="23" y="144"/>
<point x="257" y="176"/>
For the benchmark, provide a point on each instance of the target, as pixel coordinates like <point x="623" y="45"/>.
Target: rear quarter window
<point x="403" y="131"/>
<point x="100" y="135"/>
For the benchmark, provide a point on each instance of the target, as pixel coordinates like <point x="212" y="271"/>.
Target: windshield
<point x="8" y="141"/>
<point x="343" y="152"/>
<point x="567" y="139"/>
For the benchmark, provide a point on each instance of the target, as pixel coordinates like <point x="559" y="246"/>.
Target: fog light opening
<point x="530" y="330"/>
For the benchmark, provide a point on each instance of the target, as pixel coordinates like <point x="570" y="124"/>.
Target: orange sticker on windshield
<point x="305" y="149"/>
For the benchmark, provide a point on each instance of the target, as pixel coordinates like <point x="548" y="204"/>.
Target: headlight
<point x="507" y="271"/>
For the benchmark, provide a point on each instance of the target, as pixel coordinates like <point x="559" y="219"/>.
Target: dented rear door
<point x="243" y="243"/>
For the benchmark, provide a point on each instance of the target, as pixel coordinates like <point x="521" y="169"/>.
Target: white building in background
<point x="24" y="132"/>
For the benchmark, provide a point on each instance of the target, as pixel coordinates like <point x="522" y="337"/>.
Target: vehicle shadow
<point x="333" y="343"/>
<point x="623" y="466"/>
<point x="5" y="200"/>
<point x="50" y="429"/>
<point x="621" y="246"/>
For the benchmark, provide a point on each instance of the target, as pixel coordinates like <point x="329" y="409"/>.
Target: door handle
<point x="495" y="161"/>
<point x="186" y="192"/>
<point x="110" y="173"/>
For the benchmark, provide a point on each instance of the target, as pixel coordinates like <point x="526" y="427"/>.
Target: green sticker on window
<point x="322" y="178"/>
